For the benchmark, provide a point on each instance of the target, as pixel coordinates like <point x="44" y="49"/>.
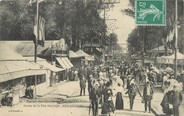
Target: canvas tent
<point x="160" y="49"/>
<point x="85" y="55"/>
<point x="14" y="66"/>
<point x="170" y="59"/>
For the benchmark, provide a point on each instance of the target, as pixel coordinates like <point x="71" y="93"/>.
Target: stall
<point x="13" y="71"/>
<point x="169" y="60"/>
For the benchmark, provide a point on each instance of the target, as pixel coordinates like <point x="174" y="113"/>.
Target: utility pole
<point x="143" y="48"/>
<point x="107" y="2"/>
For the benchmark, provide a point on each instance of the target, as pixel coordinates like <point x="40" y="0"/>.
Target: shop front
<point x="66" y="65"/>
<point x="53" y="73"/>
<point x="14" y="79"/>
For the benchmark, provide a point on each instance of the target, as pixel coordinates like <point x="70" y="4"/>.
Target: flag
<point x="35" y="28"/>
<point x="170" y="35"/>
<point x="41" y="31"/>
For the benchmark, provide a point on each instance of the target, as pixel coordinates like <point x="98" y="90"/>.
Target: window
<point x="41" y="79"/>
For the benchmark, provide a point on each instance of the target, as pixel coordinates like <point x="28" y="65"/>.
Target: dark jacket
<point x="82" y="83"/>
<point x="131" y="90"/>
<point x="145" y="92"/>
<point x="177" y="97"/>
<point x="165" y="104"/>
<point x="94" y="94"/>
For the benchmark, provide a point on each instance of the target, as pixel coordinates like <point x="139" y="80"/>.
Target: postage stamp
<point x="150" y="12"/>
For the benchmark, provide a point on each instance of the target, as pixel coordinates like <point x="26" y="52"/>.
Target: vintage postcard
<point x="91" y="57"/>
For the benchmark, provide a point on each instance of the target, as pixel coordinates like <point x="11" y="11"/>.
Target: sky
<point x="124" y="24"/>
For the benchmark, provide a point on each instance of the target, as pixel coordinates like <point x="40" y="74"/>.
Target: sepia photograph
<point x="91" y="57"/>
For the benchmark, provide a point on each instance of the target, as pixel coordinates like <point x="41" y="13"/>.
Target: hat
<point x="164" y="72"/>
<point x="153" y="73"/>
<point x="176" y="85"/>
<point x="182" y="72"/>
<point x="147" y="82"/>
<point x="132" y="82"/>
<point x="90" y="75"/>
<point x="96" y="84"/>
<point x="129" y="76"/>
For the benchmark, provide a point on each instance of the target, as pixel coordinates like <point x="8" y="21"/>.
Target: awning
<point x="72" y="54"/>
<point x="64" y="62"/>
<point x="68" y="61"/>
<point x="89" y="58"/>
<point x="10" y="70"/>
<point x="49" y="66"/>
<point x="82" y="53"/>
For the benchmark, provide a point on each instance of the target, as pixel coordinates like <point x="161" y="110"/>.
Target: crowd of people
<point x="107" y="81"/>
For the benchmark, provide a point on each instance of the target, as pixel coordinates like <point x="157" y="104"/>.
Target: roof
<point x="31" y="59"/>
<point x="27" y="48"/>
<point x="45" y="64"/>
<point x="89" y="58"/>
<point x="72" y="54"/>
<point x="92" y="45"/>
<point x="49" y="66"/>
<point x="160" y="49"/>
<point x="7" y="53"/>
<point x="64" y="62"/>
<point x="82" y="53"/>
<point x="10" y="70"/>
<point x="179" y="56"/>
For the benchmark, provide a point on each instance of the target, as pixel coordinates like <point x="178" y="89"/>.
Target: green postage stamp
<point x="150" y="12"/>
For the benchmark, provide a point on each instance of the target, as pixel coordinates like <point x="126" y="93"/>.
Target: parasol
<point x="169" y="69"/>
<point x="154" y="69"/>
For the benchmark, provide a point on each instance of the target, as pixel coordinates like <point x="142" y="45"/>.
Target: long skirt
<point x="108" y="107"/>
<point x="119" y="101"/>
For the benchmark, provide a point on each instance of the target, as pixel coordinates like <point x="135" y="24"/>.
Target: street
<point x="65" y="101"/>
<point x="130" y="53"/>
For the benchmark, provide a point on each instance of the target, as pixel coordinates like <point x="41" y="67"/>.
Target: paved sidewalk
<point x="157" y="98"/>
<point x="65" y="99"/>
<point x="51" y="89"/>
<point x="156" y="107"/>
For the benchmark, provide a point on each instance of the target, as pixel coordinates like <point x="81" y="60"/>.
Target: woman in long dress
<point x="119" y="105"/>
<point x="107" y="104"/>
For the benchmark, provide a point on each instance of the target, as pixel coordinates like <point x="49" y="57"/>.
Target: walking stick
<point x="140" y="93"/>
<point x="90" y="107"/>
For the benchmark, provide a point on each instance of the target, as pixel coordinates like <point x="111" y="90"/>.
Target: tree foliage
<point x="77" y="22"/>
<point x="153" y="36"/>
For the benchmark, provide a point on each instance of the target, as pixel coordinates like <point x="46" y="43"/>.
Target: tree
<point x="154" y="35"/>
<point x="15" y="22"/>
<point x="74" y="20"/>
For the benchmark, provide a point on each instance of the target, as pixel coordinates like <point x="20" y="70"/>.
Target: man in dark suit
<point x="82" y="86"/>
<point x="148" y="95"/>
<point x="177" y="99"/>
<point x="131" y="93"/>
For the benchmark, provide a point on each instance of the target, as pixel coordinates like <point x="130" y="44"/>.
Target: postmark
<point x="150" y="12"/>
